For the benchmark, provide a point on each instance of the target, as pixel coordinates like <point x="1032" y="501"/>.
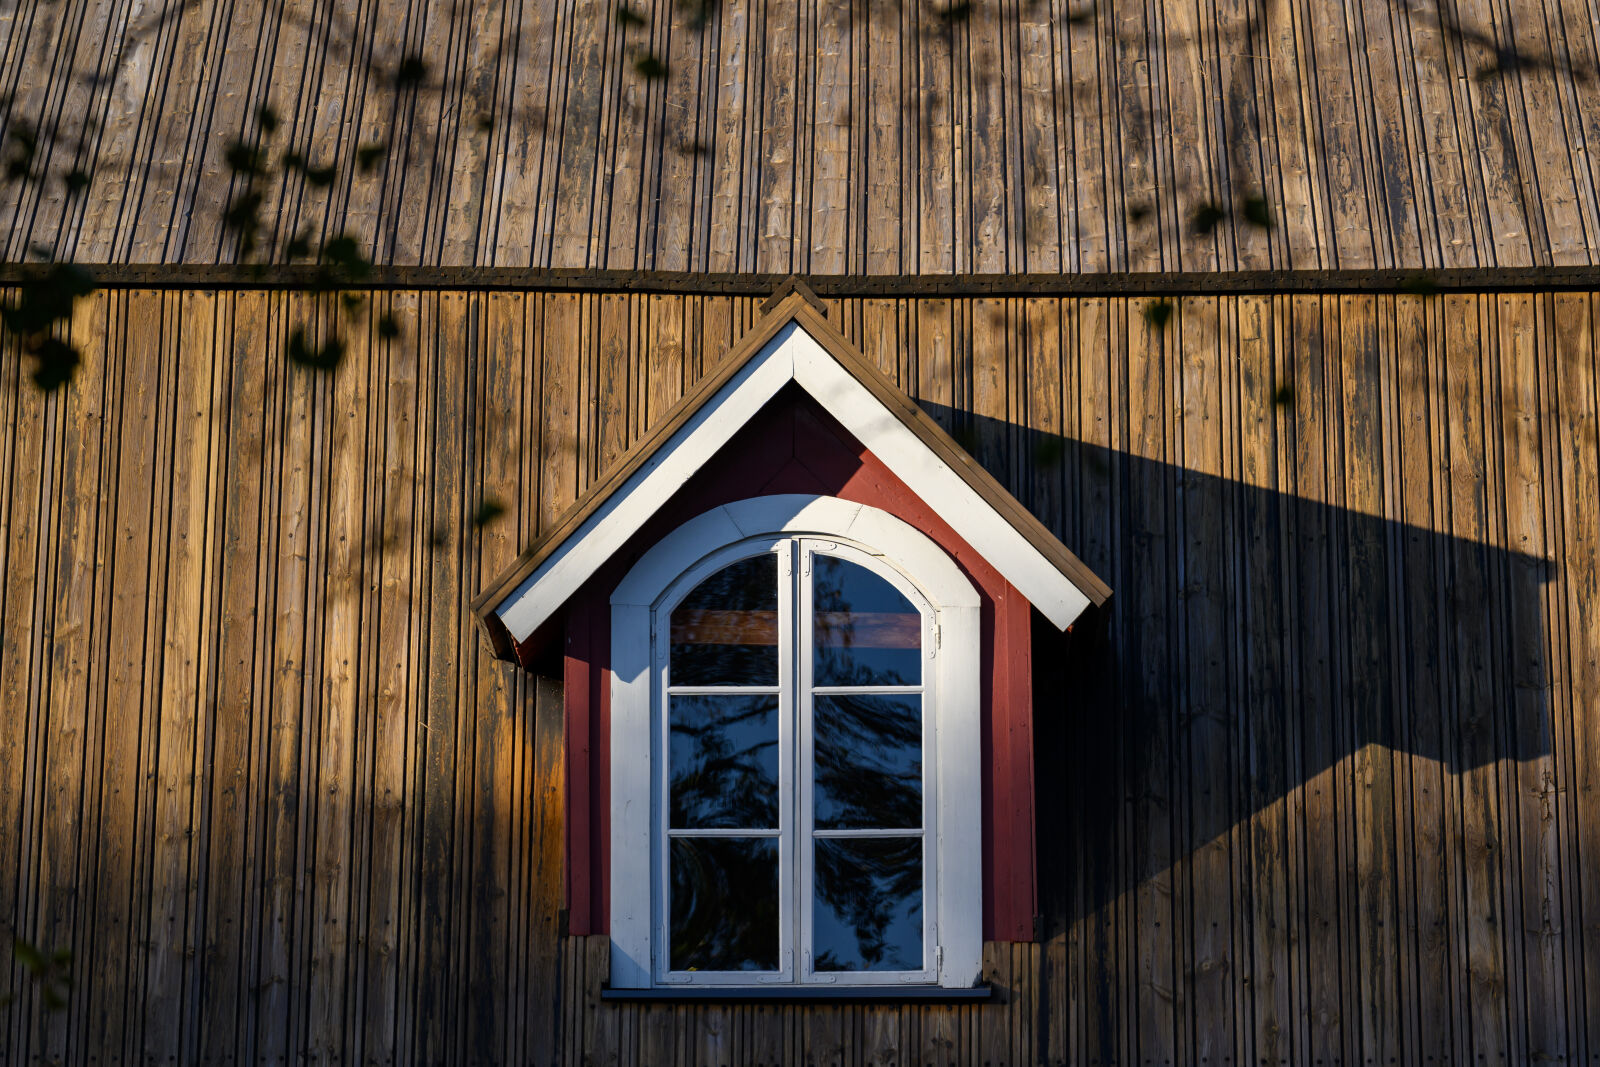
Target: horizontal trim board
<point x="1177" y="283"/>
<point x="798" y="994"/>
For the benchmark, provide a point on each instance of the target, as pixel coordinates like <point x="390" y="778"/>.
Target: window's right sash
<point x="806" y="833"/>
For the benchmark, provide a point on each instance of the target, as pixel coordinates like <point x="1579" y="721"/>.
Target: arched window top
<point x="912" y="554"/>
<point x="798" y="799"/>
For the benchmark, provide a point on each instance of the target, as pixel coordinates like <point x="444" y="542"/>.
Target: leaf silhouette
<point x="1206" y="217"/>
<point x="1256" y="212"/>
<point x="326" y="356"/>
<point x="57" y="361"/>
<point x="489" y="509"/>
<point x="368" y="156"/>
<point x="413" y="70"/>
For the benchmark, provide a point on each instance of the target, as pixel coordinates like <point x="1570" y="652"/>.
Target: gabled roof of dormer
<point x="795" y="343"/>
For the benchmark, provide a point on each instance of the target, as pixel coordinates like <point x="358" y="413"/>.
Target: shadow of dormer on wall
<point x="1276" y="682"/>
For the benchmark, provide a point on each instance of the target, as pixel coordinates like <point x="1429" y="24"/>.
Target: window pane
<point x="868" y="752"/>
<point x="723" y="762"/>
<point x="866" y="632"/>
<point x="724" y="904"/>
<point x="726" y="631"/>
<point x="867" y="913"/>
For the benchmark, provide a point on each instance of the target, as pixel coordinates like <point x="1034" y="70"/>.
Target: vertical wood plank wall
<point x="1321" y="785"/>
<point x="822" y="136"/>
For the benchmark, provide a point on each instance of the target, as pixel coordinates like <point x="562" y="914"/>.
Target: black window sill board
<point x="794" y="994"/>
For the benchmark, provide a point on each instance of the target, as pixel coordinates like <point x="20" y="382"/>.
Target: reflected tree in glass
<point x="724" y="904"/>
<point x="867" y="913"/>
<point x="723" y="759"/>
<point x="868" y="761"/>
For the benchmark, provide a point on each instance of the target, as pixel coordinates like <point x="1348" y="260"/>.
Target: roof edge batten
<point x="252" y="276"/>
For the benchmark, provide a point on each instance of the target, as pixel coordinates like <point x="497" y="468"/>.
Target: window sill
<point x="793" y="994"/>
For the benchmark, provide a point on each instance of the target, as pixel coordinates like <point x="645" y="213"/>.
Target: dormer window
<point x="793" y="627"/>
<point x="804" y="715"/>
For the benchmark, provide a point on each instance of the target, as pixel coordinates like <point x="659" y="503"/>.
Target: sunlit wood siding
<point x="857" y="136"/>
<point x="1320" y="784"/>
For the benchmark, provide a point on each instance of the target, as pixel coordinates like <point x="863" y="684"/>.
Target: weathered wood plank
<point x="181" y="729"/>
<point x="1147" y="685"/>
<point x="1479" y="829"/>
<point x="1534" y="871"/>
<point x="1206" y="781"/>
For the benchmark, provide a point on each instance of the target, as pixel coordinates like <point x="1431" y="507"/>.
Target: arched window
<point x="795" y="754"/>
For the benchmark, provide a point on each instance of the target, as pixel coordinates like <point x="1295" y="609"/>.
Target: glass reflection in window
<point x="723" y="761"/>
<point x="868" y="761"/>
<point x="725" y="632"/>
<point x="724" y="904"/>
<point x="866" y="632"/>
<point x="867" y="914"/>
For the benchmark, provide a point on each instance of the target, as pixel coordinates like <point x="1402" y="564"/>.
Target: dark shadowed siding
<point x="1319" y="784"/>
<point x="825" y="136"/>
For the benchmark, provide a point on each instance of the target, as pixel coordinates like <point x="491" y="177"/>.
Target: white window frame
<point x="952" y="737"/>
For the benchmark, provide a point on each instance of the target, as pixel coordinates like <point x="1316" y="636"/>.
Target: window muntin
<point x="831" y="731"/>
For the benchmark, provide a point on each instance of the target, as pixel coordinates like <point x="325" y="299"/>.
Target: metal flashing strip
<point x="846" y="286"/>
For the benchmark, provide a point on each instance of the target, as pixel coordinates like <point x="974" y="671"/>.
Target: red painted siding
<point x="795" y="447"/>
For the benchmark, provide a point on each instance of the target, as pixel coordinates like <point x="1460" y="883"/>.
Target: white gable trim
<point x="791" y="355"/>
